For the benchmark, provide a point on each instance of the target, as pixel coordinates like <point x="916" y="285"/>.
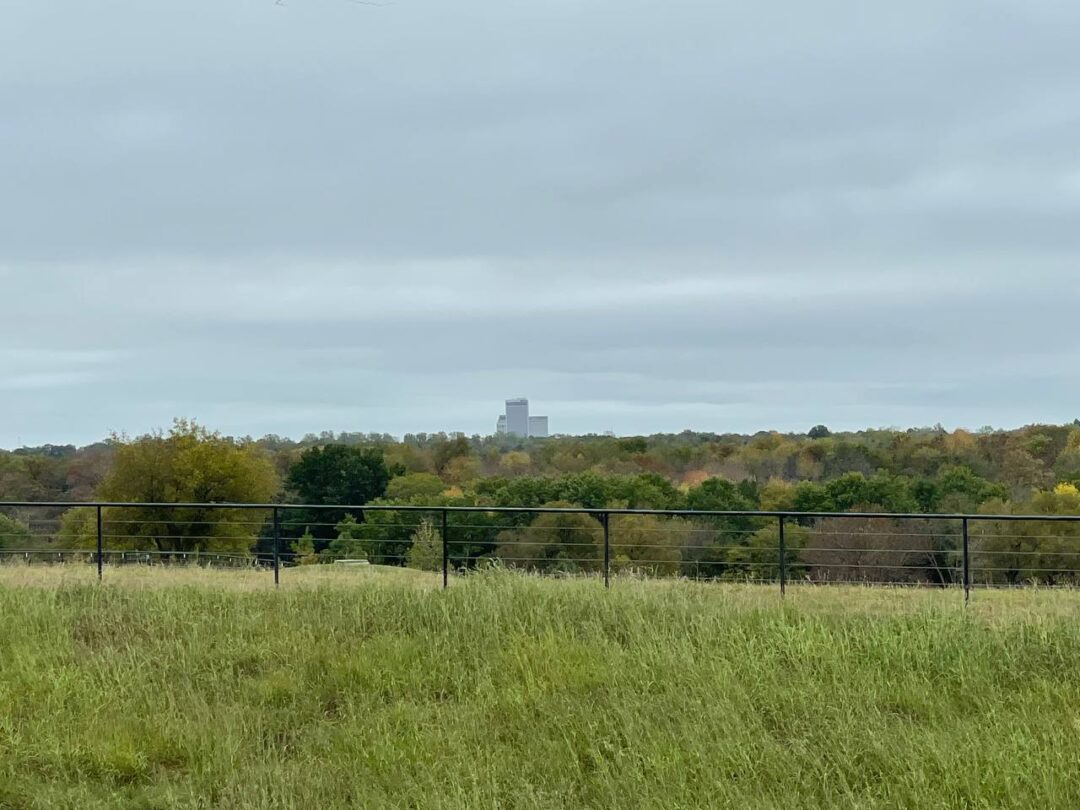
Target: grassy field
<point x="185" y="689"/>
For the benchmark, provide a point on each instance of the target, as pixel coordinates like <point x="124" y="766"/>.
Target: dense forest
<point x="915" y="469"/>
<point x="1034" y="470"/>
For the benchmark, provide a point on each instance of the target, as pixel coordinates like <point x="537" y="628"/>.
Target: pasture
<point x="188" y="688"/>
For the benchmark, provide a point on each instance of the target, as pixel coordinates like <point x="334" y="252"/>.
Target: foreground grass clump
<point x="367" y="689"/>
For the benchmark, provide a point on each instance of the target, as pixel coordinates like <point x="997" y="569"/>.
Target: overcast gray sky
<point x="645" y="216"/>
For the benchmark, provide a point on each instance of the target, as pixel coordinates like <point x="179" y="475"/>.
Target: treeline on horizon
<point x="1018" y="461"/>
<point x="1032" y="470"/>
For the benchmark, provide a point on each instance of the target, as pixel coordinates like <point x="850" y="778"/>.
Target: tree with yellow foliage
<point x="189" y="464"/>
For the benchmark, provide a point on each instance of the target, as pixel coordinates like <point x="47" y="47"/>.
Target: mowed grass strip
<point x="195" y="689"/>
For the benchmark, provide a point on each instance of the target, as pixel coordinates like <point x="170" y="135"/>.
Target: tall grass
<point x="359" y="689"/>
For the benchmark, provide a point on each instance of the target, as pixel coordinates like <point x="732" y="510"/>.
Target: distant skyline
<point x="651" y="217"/>
<point x="518" y="421"/>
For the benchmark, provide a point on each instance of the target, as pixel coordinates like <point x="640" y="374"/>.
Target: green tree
<point x="554" y="542"/>
<point x="383" y="538"/>
<point x="717" y="495"/>
<point x="13" y="534"/>
<point x="352" y="541"/>
<point x="647" y="544"/>
<point x="304" y="549"/>
<point x="425" y="553"/>
<point x="759" y="557"/>
<point x="415" y="485"/>
<point x="959" y="489"/>
<point x="1067" y="465"/>
<point x="854" y="491"/>
<point x="709" y="559"/>
<point x="811" y="497"/>
<point x="446" y="450"/>
<point x="339" y="474"/>
<point x="528" y="492"/>
<point x="644" y="491"/>
<point x="189" y="464"/>
<point x="1013" y="552"/>
<point x="334" y="475"/>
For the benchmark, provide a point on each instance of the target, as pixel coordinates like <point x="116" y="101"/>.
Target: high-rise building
<point x="517" y="422"/>
<point x="517" y="417"/>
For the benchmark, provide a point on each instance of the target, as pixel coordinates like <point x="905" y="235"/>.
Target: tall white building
<point x="518" y="422"/>
<point x="517" y="417"/>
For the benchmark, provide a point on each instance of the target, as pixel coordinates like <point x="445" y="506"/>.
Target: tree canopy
<point x="334" y="475"/>
<point x="187" y="465"/>
<point x="924" y="470"/>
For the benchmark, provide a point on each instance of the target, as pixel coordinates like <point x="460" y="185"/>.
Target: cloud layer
<point x="644" y="216"/>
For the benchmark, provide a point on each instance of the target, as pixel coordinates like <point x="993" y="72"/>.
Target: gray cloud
<point x="644" y="216"/>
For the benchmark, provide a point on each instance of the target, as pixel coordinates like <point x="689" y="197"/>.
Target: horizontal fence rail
<point x="775" y="547"/>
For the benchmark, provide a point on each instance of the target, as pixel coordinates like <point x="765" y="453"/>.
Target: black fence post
<point x="783" y="560"/>
<point x="445" y="549"/>
<point x="277" y="546"/>
<point x="100" y="546"/>
<point x="967" y="562"/>
<point x="606" y="521"/>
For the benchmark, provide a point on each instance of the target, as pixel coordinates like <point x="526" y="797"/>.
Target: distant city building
<point x="517" y="417"/>
<point x="517" y="422"/>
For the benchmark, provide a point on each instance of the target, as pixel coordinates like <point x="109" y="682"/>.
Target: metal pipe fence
<point x="779" y="548"/>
